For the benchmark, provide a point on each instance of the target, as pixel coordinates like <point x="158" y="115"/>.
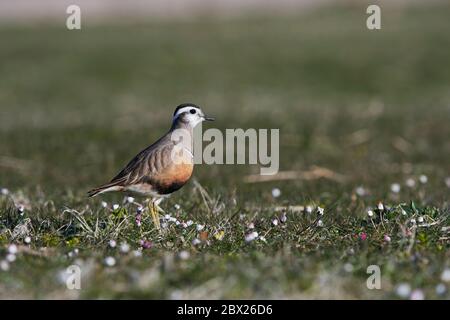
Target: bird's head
<point x="189" y="114"/>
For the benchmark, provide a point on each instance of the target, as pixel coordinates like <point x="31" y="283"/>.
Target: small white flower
<point x="410" y="183"/>
<point x="12" y="248"/>
<point x="184" y="225"/>
<point x="4" y="191"/>
<point x="130" y="199"/>
<point x="404" y="212"/>
<point x="167" y="216"/>
<point x="403" y="290"/>
<point x="112" y="243"/>
<point x="76" y="250"/>
<point x="447" y="182"/>
<point x="441" y="289"/>
<point x="360" y="191"/>
<point x="137" y="253"/>
<point x="417" y="294"/>
<point x="27" y="240"/>
<point x="320" y="211"/>
<point x="11" y="257"/>
<point x="320" y="223"/>
<point x="104" y="204"/>
<point x="189" y="223"/>
<point x="413" y="221"/>
<point x="196" y="241"/>
<point x="380" y="206"/>
<point x="177" y="206"/>
<point x="200" y="227"/>
<point x="275" y="222"/>
<point x="21" y="208"/>
<point x="348" y="267"/>
<point x="4" y="265"/>
<point x="184" y="255"/>
<point x="177" y="222"/>
<point x="251" y="225"/>
<point x="276" y="192"/>
<point x="420" y="219"/>
<point x="173" y="219"/>
<point x="423" y="179"/>
<point x="251" y="236"/>
<point x="124" y="247"/>
<point x="110" y="261"/>
<point x="370" y="213"/>
<point x="445" y="276"/>
<point x="116" y="206"/>
<point x="309" y="209"/>
<point x="70" y="254"/>
<point x="283" y="218"/>
<point x="139" y="209"/>
<point x="395" y="188"/>
<point x="176" y="295"/>
<point x="262" y="238"/>
<point x="387" y="238"/>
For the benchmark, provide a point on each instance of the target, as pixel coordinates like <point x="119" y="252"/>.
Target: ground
<point x="363" y="118"/>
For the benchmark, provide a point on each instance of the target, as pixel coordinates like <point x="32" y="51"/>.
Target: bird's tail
<point x="112" y="186"/>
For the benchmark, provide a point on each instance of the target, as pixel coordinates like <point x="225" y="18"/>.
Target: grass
<point x="372" y="107"/>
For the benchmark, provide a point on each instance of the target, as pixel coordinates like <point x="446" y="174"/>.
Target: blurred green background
<point x="76" y="105"/>
<point x="371" y="106"/>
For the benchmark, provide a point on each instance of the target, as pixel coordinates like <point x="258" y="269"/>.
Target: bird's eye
<point x="193" y="111"/>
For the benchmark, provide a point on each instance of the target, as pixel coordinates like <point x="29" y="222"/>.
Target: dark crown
<point x="184" y="105"/>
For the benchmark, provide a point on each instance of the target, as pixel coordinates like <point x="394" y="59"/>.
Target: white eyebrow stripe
<point x="180" y="111"/>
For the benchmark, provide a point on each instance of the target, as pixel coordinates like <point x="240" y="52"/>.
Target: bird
<point x="163" y="167"/>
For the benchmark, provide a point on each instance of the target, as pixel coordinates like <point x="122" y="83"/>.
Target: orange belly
<point x="173" y="178"/>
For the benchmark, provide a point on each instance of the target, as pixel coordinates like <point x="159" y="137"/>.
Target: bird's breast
<point x="174" y="178"/>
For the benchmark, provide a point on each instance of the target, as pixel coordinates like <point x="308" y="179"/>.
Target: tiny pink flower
<point x="138" y="219"/>
<point x="145" y="244"/>
<point x="363" y="236"/>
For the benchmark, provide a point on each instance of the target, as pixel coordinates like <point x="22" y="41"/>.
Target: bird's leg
<point x="155" y="214"/>
<point x="158" y="222"/>
<point x="159" y="209"/>
<point x="157" y="202"/>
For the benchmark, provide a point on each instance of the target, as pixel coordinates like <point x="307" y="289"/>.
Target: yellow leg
<point x="155" y="214"/>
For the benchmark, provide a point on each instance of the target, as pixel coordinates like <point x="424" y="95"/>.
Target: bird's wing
<point x="146" y="165"/>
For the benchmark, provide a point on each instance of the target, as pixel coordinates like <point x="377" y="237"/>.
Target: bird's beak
<point x="208" y="118"/>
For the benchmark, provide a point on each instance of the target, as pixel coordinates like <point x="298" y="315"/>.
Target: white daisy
<point x="423" y="179"/>
<point x="110" y="261"/>
<point x="395" y="188"/>
<point x="251" y="236"/>
<point x="403" y="290"/>
<point x="124" y="247"/>
<point x="4" y="265"/>
<point x="112" y="243"/>
<point x="12" y="248"/>
<point x="276" y="192"/>
<point x="184" y="255"/>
